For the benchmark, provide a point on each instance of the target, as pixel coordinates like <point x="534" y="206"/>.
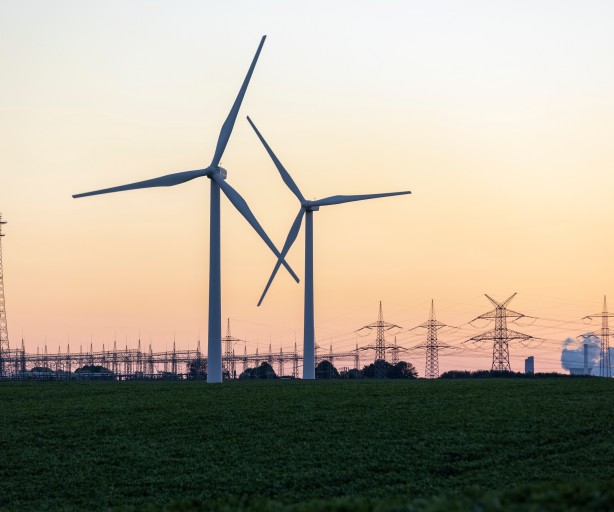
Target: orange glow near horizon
<point x="497" y="119"/>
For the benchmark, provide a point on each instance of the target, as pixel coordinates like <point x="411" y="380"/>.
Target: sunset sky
<point x="498" y="116"/>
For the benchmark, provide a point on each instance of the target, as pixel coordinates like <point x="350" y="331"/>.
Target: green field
<point x="289" y="445"/>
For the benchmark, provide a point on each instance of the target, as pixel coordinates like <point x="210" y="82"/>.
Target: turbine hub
<point x="308" y="205"/>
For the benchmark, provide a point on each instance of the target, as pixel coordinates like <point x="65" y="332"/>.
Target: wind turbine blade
<point x="232" y="115"/>
<point x="296" y="226"/>
<point x="348" y="199"/>
<point x="163" y="181"/>
<point x="285" y="175"/>
<point x="240" y="204"/>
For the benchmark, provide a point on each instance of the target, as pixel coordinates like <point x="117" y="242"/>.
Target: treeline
<point x="499" y="374"/>
<point x="326" y="370"/>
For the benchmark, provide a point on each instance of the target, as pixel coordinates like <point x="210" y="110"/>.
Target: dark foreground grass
<point x="286" y="445"/>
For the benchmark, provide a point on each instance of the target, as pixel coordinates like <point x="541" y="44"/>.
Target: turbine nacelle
<point x="309" y="206"/>
<point x="215" y="169"/>
<point x="219" y="170"/>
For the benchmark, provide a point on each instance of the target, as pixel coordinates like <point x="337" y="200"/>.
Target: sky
<point x="497" y="115"/>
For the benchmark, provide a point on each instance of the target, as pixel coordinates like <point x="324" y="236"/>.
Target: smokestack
<point x="585" y="358"/>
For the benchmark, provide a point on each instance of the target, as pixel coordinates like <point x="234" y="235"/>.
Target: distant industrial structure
<point x="529" y="365"/>
<point x="129" y="364"/>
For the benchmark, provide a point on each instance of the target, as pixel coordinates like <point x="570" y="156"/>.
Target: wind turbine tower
<point x="501" y="335"/>
<point x="605" y="370"/>
<point x="217" y="176"/>
<point x="307" y="208"/>
<point x="4" y="333"/>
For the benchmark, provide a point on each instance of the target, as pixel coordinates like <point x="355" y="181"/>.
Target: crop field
<point x="291" y="445"/>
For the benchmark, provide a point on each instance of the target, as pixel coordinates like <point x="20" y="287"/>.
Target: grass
<point x="262" y="445"/>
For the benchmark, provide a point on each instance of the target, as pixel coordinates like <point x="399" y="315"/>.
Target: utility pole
<point x="605" y="369"/>
<point x="4" y="333"/>
<point x="432" y="345"/>
<point x="501" y="335"/>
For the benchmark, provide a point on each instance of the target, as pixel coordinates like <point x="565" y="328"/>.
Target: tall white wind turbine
<point x="307" y="209"/>
<point x="217" y="175"/>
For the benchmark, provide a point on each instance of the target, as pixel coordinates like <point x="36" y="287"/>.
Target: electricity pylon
<point x="604" y="361"/>
<point x="501" y="335"/>
<point x="228" y="361"/>
<point x="295" y="363"/>
<point x="4" y="333"/>
<point x="432" y="345"/>
<point x="380" y="345"/>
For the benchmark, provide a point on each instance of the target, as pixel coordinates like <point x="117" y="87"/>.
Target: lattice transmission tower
<point x="229" y="360"/>
<point x="605" y="370"/>
<point x="4" y="333"/>
<point x="432" y="346"/>
<point x="295" y="362"/>
<point x="501" y="335"/>
<point x="380" y="345"/>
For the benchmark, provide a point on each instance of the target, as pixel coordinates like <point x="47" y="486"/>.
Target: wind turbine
<point x="217" y="175"/>
<point x="307" y="209"/>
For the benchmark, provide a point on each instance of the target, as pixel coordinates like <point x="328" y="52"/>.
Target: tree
<point x="92" y="371"/>
<point x="498" y="374"/>
<point x="93" y="368"/>
<point x="41" y="369"/>
<point x="401" y="370"/>
<point x="264" y="371"/>
<point x="326" y="370"/>
<point x="369" y="371"/>
<point x="352" y="373"/>
<point x="197" y="368"/>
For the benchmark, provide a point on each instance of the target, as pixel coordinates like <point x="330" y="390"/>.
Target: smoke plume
<point x="572" y="355"/>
